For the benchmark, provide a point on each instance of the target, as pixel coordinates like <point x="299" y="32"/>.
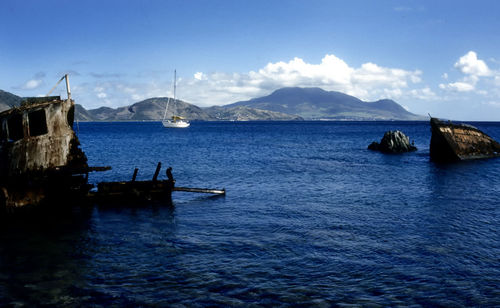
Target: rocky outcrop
<point x="393" y="142"/>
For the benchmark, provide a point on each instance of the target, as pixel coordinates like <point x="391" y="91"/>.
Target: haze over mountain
<point x="153" y="109"/>
<point x="283" y="104"/>
<point x="316" y="103"/>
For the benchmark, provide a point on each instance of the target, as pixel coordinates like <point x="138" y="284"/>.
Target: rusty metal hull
<point x="40" y="158"/>
<point x="457" y="142"/>
<point x="41" y="163"/>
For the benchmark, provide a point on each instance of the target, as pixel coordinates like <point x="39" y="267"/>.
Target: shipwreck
<point x="457" y="142"/>
<point x="41" y="162"/>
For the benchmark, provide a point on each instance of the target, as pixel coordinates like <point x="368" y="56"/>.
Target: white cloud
<point x="471" y="65"/>
<point x="459" y="86"/>
<point x="199" y="76"/>
<point x="32" y="84"/>
<point x="425" y="94"/>
<point x="137" y="97"/>
<point x="473" y="70"/>
<point x="369" y="81"/>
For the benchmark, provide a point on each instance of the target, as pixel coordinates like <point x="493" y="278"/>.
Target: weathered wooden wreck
<point x="40" y="157"/>
<point x="456" y="142"/>
<point x="41" y="162"/>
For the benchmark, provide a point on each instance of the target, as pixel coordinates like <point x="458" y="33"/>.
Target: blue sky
<point x="438" y="57"/>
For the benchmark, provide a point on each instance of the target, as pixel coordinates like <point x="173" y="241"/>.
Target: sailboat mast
<point x="175" y="82"/>
<point x="166" y="108"/>
<point x="168" y="100"/>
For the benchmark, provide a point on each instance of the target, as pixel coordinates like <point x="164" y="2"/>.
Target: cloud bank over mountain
<point x="469" y="78"/>
<point x="368" y="81"/>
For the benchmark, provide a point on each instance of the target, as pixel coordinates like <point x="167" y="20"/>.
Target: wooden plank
<point x="201" y="190"/>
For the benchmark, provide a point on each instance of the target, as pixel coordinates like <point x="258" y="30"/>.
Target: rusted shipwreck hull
<point x="456" y="142"/>
<point x="41" y="162"/>
<point x="40" y="158"/>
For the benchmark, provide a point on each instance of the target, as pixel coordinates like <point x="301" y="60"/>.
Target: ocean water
<point x="311" y="218"/>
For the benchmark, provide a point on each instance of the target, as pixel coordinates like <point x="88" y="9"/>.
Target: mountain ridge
<point x="316" y="103"/>
<point x="291" y="103"/>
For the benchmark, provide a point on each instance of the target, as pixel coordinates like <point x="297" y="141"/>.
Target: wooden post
<point x="135" y="174"/>
<point x="67" y="86"/>
<point x="158" y="167"/>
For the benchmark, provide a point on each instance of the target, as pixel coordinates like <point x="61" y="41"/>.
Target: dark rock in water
<point x="393" y="142"/>
<point x="374" y="146"/>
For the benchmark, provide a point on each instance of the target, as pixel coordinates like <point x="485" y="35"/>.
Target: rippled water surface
<point x="311" y="217"/>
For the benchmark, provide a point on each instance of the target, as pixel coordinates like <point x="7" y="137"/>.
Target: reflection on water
<point x="310" y="218"/>
<point x="44" y="256"/>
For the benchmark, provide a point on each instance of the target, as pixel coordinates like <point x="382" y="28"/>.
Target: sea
<point x="310" y="218"/>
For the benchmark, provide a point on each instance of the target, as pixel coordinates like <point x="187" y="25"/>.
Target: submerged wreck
<point x="41" y="162"/>
<point x="456" y="142"/>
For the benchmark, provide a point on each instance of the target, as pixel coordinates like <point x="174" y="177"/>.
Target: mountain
<point x="81" y="114"/>
<point x="8" y="100"/>
<point x="243" y="113"/>
<point x="284" y="104"/>
<point x="153" y="109"/>
<point x="316" y="103"/>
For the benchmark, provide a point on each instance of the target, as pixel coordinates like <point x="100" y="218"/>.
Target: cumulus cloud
<point x="198" y="76"/>
<point x="425" y="94"/>
<point x="33" y="83"/>
<point x="459" y="86"/>
<point x="473" y="70"/>
<point x="369" y="81"/>
<point x="469" y="64"/>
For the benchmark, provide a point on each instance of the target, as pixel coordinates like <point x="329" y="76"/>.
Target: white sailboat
<point x="174" y="121"/>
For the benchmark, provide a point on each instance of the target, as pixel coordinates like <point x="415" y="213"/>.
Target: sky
<point x="432" y="57"/>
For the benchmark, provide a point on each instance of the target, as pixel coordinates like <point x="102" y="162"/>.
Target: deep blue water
<point x="311" y="217"/>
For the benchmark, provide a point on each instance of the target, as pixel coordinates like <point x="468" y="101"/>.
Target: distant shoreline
<point x="281" y="121"/>
<point x="259" y="121"/>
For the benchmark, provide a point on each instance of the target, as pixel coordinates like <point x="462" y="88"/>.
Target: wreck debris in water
<point x="40" y="156"/>
<point x="41" y="161"/>
<point x="456" y="142"/>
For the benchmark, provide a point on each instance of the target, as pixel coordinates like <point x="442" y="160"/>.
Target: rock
<point x="393" y="142"/>
<point x="374" y="146"/>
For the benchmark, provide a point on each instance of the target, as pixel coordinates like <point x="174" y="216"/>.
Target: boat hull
<point x="456" y="142"/>
<point x="176" y="124"/>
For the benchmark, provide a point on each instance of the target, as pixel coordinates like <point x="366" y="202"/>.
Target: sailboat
<point x="175" y="121"/>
